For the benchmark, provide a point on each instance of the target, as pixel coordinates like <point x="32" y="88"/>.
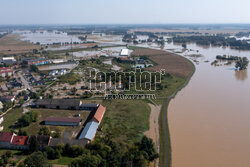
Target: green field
<point x="126" y="120"/>
<point x="11" y="117"/>
<point x="62" y="161"/>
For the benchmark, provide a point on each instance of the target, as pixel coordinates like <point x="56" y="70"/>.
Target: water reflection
<point x="241" y="75"/>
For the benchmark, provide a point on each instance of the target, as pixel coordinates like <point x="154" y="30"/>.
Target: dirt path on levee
<point x="153" y="131"/>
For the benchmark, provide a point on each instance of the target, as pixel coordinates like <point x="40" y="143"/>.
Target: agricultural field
<point x="11" y="44"/>
<point x="170" y="62"/>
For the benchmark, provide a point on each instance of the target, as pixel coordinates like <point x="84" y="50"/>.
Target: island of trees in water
<point x="241" y="63"/>
<point x="214" y="40"/>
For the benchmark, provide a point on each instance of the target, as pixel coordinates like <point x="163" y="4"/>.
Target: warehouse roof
<point x="89" y="131"/>
<point x="99" y="113"/>
<point x="124" y="52"/>
<point x="59" y="102"/>
<point x="90" y="105"/>
<point x="63" y="119"/>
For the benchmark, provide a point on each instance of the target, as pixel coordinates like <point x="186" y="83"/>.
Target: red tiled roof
<point x="99" y="113"/>
<point x="5" y="71"/>
<point x="6" y="136"/>
<point x="5" y="68"/>
<point x="62" y="119"/>
<point x="20" y="140"/>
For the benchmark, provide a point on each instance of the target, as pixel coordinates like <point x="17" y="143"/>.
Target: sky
<point x="123" y="11"/>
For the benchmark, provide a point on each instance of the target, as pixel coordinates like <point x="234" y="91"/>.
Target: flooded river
<point x="209" y="119"/>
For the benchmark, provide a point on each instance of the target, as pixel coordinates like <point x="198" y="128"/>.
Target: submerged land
<point x="55" y="63"/>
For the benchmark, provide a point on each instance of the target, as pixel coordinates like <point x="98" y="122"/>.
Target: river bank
<point x="165" y="140"/>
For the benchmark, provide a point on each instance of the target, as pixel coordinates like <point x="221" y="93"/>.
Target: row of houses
<point x="59" y="73"/>
<point x="9" y="140"/>
<point x="38" y="61"/>
<point x="6" y="71"/>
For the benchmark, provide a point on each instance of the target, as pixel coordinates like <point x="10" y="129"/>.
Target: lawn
<point x="62" y="161"/>
<point x="11" y="117"/>
<point x="126" y="120"/>
<point x="68" y="132"/>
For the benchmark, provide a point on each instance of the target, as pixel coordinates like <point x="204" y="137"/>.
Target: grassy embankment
<point x="181" y="70"/>
<point x="165" y="157"/>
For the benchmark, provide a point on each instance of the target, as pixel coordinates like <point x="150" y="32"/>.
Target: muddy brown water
<point x="209" y="119"/>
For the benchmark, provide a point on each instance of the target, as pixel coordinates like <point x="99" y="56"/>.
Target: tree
<point x="33" y="144"/>
<point x="22" y="133"/>
<point x="44" y="131"/>
<point x="58" y="132"/>
<point x="87" y="160"/>
<point x="34" y="68"/>
<point x="242" y="63"/>
<point x="53" y="153"/>
<point x="37" y="159"/>
<point x="147" y="145"/>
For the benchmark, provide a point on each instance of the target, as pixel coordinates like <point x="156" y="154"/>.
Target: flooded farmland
<point x="57" y="67"/>
<point x="46" y="37"/>
<point x="209" y="119"/>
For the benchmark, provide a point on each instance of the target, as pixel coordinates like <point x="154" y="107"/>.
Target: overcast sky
<point x="123" y="11"/>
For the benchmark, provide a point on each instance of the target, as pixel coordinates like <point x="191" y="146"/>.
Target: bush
<point x="27" y="118"/>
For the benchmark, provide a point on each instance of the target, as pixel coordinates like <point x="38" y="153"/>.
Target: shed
<point x="62" y="121"/>
<point x="89" y="131"/>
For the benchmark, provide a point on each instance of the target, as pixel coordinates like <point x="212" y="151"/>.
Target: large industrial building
<point x="67" y="104"/>
<point x="62" y="121"/>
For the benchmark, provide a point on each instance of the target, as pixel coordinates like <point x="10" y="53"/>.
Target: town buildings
<point x="67" y="104"/>
<point x="9" y="140"/>
<point x="6" y="71"/>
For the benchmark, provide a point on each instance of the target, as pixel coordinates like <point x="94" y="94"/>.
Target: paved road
<point x="23" y="80"/>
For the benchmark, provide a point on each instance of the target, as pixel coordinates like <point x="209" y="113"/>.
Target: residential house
<point x="6" y="71"/>
<point x="20" y="143"/>
<point x="6" y="139"/>
<point x="6" y="99"/>
<point x="43" y="141"/>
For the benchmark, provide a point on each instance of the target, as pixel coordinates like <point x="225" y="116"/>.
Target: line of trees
<point x="101" y="153"/>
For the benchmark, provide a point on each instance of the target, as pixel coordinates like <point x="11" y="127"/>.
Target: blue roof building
<point x="89" y="131"/>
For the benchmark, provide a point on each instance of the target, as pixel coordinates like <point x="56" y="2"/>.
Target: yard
<point x="33" y="128"/>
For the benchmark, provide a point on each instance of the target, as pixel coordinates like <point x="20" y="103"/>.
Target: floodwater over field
<point x="57" y="67"/>
<point x="45" y="37"/>
<point x="209" y="119"/>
